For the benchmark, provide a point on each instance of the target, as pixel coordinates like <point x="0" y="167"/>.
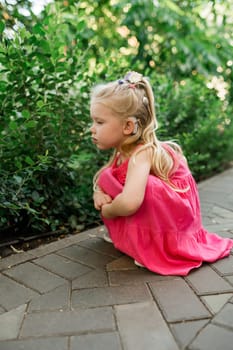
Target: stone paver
<point x="62" y="266"/>
<point x="68" y="322"/>
<point x="224" y="266"/>
<point x="86" y="256"/>
<point x="13" y="260"/>
<point x="2" y="310"/>
<point x="57" y="299"/>
<point x="59" y="343"/>
<point x="216" y="302"/>
<point x="110" y="296"/>
<point x="81" y="293"/>
<point x="177" y="300"/>
<point x="137" y="276"/>
<point x="214" y="338"/>
<point x="100" y="341"/>
<point x="142" y="327"/>
<point x="95" y="278"/>
<point x="230" y="279"/>
<point x="35" y="277"/>
<point x="10" y="323"/>
<point x="121" y="264"/>
<point x="100" y="246"/>
<point x="13" y="294"/>
<point x="207" y="281"/>
<point x="225" y="316"/>
<point x="185" y="332"/>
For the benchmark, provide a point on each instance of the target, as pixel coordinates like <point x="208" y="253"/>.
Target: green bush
<point x="192" y="114"/>
<point x="47" y="158"/>
<point x="44" y="115"/>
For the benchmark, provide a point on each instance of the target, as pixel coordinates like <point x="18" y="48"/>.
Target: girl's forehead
<point x="99" y="108"/>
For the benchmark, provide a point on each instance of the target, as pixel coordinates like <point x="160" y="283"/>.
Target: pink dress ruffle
<point x="166" y="233"/>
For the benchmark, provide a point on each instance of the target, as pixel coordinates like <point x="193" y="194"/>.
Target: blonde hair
<point x="133" y="97"/>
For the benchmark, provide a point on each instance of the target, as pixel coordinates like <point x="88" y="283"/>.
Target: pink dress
<point x="166" y="233"/>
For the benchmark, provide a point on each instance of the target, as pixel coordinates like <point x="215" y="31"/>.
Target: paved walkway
<point x="81" y="293"/>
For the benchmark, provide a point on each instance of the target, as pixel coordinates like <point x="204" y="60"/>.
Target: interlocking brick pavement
<point x="81" y="293"/>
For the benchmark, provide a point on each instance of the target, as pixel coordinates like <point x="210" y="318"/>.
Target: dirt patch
<point x="16" y="245"/>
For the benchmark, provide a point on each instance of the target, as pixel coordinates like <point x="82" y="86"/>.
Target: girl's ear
<point x="129" y="126"/>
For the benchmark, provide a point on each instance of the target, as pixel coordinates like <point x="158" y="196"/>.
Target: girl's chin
<point x="98" y="145"/>
<point x="101" y="147"/>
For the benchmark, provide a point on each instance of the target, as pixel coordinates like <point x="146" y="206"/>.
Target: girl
<point x="146" y="194"/>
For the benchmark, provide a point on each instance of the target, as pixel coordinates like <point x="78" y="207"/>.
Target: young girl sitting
<point x="146" y="194"/>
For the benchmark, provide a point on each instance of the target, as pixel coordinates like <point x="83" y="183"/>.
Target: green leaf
<point x="18" y="164"/>
<point x="13" y="125"/>
<point x="9" y="205"/>
<point x="40" y="103"/>
<point x="31" y="124"/>
<point x="45" y="46"/>
<point x="3" y="86"/>
<point x="26" y="113"/>
<point x="38" y="29"/>
<point x="81" y="25"/>
<point x="36" y="196"/>
<point x="2" y="27"/>
<point x="170" y="4"/>
<point x="18" y="179"/>
<point x="29" y="160"/>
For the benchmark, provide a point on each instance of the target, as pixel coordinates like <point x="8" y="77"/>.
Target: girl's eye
<point x="99" y="122"/>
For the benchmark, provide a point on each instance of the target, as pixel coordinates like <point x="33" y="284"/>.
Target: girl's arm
<point x="131" y="198"/>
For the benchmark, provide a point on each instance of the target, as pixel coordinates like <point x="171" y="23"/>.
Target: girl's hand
<point x="106" y="211"/>
<point x="100" y="198"/>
